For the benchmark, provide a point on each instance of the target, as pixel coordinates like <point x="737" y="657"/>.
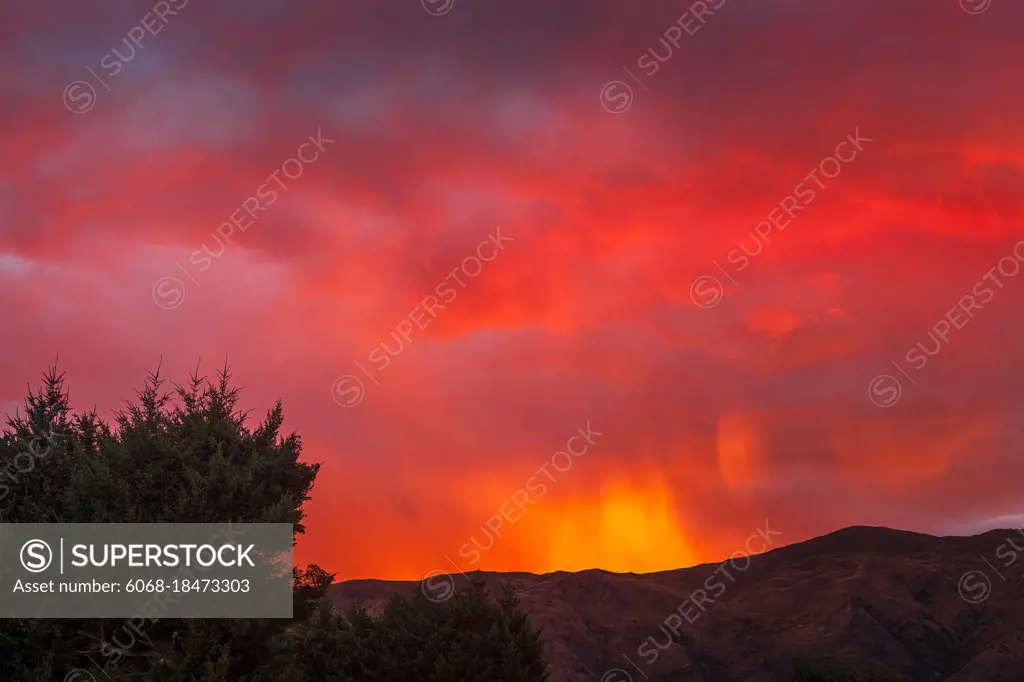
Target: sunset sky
<point x="729" y="387"/>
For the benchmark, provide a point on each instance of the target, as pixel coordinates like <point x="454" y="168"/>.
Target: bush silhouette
<point x="469" y="638"/>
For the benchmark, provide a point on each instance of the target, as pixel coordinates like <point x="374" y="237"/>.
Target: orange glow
<point x="627" y="529"/>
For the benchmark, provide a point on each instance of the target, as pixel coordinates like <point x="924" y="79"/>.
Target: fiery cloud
<point x="448" y="124"/>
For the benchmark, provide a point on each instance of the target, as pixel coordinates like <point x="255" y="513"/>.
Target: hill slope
<point x="876" y="598"/>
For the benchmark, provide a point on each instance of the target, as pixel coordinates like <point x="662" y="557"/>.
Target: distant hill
<point x="872" y="598"/>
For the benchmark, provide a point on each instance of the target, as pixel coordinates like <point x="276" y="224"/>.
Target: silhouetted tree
<point x="187" y="456"/>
